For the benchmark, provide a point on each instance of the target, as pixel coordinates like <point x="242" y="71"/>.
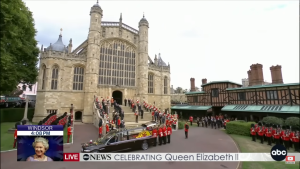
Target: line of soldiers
<point x="284" y="135"/>
<point x="163" y="132"/>
<point x="212" y="121"/>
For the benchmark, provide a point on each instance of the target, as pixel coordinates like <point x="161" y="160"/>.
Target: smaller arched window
<point x="78" y="78"/>
<point x="150" y="83"/>
<point x="43" y="77"/>
<point x="165" y="85"/>
<point x="54" y="80"/>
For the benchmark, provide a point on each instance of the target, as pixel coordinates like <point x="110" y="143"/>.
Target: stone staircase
<point x="129" y="117"/>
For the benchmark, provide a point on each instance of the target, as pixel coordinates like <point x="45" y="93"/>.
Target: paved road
<point x="200" y="140"/>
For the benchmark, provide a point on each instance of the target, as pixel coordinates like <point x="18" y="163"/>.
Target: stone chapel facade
<point x="112" y="62"/>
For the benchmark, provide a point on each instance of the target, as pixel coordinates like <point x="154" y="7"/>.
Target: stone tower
<point x="142" y="84"/>
<point x="93" y="61"/>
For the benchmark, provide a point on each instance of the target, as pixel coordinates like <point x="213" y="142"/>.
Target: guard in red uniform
<point x="15" y="138"/>
<point x="286" y="137"/>
<point x="164" y="130"/>
<point x="69" y="133"/>
<point x="160" y="136"/>
<point x="295" y="139"/>
<point x="256" y="130"/>
<point x="186" y="130"/>
<point x="226" y="121"/>
<point x="292" y="133"/>
<point x="274" y="128"/>
<point x="268" y="134"/>
<point x="169" y="132"/>
<point x="277" y="134"/>
<point x="191" y="120"/>
<point x="152" y="116"/>
<point x="154" y="134"/>
<point x="252" y="131"/>
<point x="261" y="133"/>
<point x="100" y="131"/>
<point x="107" y="128"/>
<point x="119" y="122"/>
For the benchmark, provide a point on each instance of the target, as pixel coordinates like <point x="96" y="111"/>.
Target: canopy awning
<point x="190" y="107"/>
<point x="263" y="108"/>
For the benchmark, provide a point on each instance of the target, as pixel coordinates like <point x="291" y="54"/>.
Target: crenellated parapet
<point x="105" y="24"/>
<point x="159" y="68"/>
<point x="61" y="55"/>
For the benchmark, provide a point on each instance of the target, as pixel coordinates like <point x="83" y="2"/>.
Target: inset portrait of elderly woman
<point x="40" y="146"/>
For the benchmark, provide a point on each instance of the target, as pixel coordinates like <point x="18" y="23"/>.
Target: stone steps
<point x="130" y="117"/>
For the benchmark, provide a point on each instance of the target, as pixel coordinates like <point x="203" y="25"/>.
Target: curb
<point x="240" y="165"/>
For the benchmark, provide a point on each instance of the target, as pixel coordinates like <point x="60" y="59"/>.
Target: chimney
<point x="193" y="88"/>
<point x="257" y="75"/>
<point x="276" y="74"/>
<point x="249" y="78"/>
<point x="204" y="81"/>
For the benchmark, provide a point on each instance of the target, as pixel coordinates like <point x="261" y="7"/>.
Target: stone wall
<point x="161" y="100"/>
<point x="178" y="98"/>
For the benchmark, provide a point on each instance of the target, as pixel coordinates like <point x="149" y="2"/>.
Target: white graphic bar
<point x="179" y="157"/>
<point x="40" y="133"/>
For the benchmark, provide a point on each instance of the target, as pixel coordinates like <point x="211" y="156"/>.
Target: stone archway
<point x="118" y="96"/>
<point x="78" y="116"/>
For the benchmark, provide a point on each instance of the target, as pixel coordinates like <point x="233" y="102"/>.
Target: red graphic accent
<point x="71" y="157"/>
<point x="290" y="158"/>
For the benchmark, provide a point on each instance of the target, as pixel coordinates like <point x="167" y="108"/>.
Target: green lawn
<point x="7" y="139"/>
<point x="246" y="144"/>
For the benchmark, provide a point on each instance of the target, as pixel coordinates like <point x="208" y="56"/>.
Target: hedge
<point x="238" y="127"/>
<point x="15" y="114"/>
<point x="180" y="125"/>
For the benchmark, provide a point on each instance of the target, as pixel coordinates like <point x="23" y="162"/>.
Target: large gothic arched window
<point x="54" y="80"/>
<point x="117" y="64"/>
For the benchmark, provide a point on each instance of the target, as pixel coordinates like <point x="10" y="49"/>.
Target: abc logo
<point x="278" y="152"/>
<point x="86" y="157"/>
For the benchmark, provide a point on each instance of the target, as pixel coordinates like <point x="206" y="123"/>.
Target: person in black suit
<point x="125" y="101"/>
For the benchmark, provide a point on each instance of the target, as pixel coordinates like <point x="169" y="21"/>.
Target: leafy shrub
<point x="180" y="125"/>
<point x="238" y="127"/>
<point x="15" y="114"/>
<point x="292" y="121"/>
<point x="273" y="120"/>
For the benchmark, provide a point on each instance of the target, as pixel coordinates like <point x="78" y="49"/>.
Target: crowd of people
<point x="271" y="133"/>
<point x="160" y="117"/>
<point x="215" y="122"/>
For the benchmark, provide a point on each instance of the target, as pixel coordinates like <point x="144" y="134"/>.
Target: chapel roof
<point x="58" y="45"/>
<point x="160" y="62"/>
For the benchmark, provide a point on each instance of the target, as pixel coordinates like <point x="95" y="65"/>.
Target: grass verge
<point x="246" y="145"/>
<point x="7" y="139"/>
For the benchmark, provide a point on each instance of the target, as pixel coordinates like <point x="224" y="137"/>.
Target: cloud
<point x="202" y="39"/>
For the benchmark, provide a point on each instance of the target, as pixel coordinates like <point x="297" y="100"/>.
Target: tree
<point x="19" y="52"/>
<point x="178" y="90"/>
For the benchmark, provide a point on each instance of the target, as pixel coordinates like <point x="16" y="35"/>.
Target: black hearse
<point x="122" y="140"/>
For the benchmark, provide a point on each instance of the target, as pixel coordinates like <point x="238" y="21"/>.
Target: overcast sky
<point x="217" y="40"/>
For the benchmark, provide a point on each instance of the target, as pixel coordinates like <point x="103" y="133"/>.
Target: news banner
<point x="51" y="137"/>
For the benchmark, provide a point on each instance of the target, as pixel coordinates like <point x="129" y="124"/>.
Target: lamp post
<point x="71" y="114"/>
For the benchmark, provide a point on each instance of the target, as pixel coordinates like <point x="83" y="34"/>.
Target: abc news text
<point x="161" y="157"/>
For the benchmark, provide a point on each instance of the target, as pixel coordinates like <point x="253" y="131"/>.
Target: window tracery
<point x="117" y="64"/>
